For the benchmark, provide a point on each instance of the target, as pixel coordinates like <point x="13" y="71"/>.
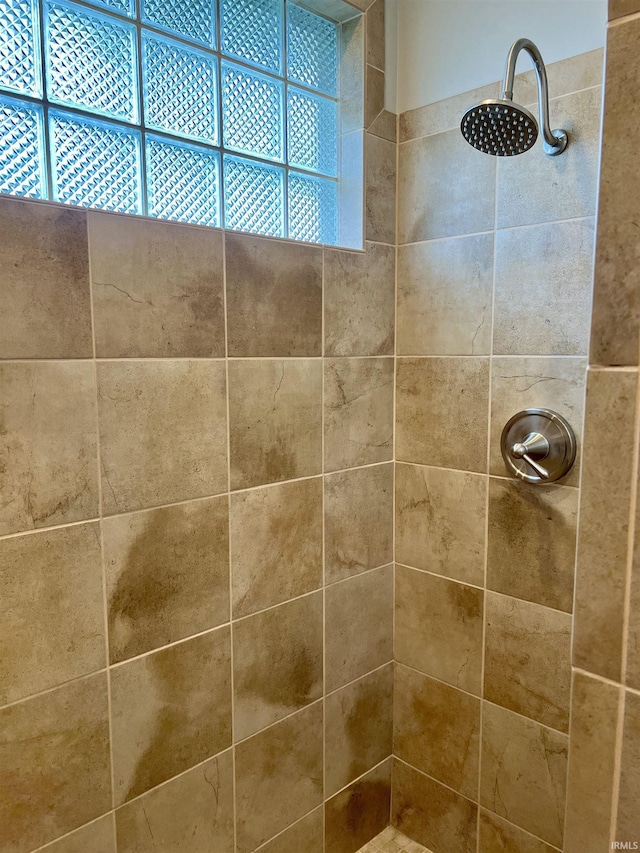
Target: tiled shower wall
<point x="495" y="271"/>
<point x="196" y="444"/>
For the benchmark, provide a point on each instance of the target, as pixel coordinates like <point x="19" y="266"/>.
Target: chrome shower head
<point x="504" y="128"/>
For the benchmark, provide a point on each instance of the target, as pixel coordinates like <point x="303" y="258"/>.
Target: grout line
<point x="634" y="691"/>
<point x="615" y="788"/>
<point x="520" y="828"/>
<point x="324" y="563"/>
<point x="395" y="467"/>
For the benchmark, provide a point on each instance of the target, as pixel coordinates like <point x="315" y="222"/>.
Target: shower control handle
<point x="536" y="443"/>
<point x="538" y="446"/>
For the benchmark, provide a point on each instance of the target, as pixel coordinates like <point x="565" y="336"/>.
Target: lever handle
<point x="535" y="442"/>
<point x="540" y="471"/>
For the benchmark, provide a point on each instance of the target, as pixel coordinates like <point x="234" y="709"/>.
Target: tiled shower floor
<point x="392" y="841"/>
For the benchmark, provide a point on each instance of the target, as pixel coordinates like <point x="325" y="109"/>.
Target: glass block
<point x="253" y="197"/>
<point x="95" y="164"/>
<point x="91" y="61"/>
<point x="312" y="50"/>
<point x="22" y="170"/>
<point x="20" y="47"/>
<point x="180" y="89"/>
<point x="312" y="132"/>
<point x="252" y="31"/>
<point x="192" y="19"/>
<point x="122" y="7"/>
<point x="183" y="182"/>
<point x="312" y="209"/>
<point x="252" y="113"/>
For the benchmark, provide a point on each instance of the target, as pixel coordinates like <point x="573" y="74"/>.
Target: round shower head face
<point x="502" y="128"/>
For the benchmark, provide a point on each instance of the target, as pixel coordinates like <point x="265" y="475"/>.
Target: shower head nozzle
<point x="504" y="128"/>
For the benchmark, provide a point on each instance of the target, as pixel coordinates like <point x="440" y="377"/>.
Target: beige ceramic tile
<point x="265" y="278"/>
<point x="360" y="812"/>
<point x="157" y="288"/>
<point x="527" y="665"/>
<point x="374" y="104"/>
<point x="52" y="628"/>
<point x="278" y="777"/>
<point x="445" y="188"/>
<point x="385" y="126"/>
<point x="633" y="639"/>
<point x="307" y="834"/>
<point x="443" y="115"/>
<point x="277" y="663"/>
<point x="440" y="521"/>
<point x="44" y="290"/>
<point x="171" y="710"/>
<point x="436" y="729"/>
<point x="616" y="301"/>
<point x="275" y="413"/>
<point x="445" y="290"/>
<point x="628" y="823"/>
<point x="498" y="836"/>
<point x="380" y="189"/>
<point x="98" y="837"/>
<point x="525" y="383"/>
<point x="432" y="814"/>
<point x="601" y="567"/>
<point x="620" y="8"/>
<point x="276" y="544"/>
<point x="375" y="34"/>
<point x="442" y="412"/>
<point x="533" y="188"/>
<point x="359" y="301"/>
<point x="358" y="412"/>
<point x="54" y="755"/>
<point x="358" y="728"/>
<point x="358" y="639"/>
<point x="524" y="767"/>
<point x="47" y="445"/>
<point x="163" y="432"/>
<point x="532" y="542"/>
<point x="167" y="575"/>
<point x="358" y="508"/>
<point x="592" y="745"/>
<point x="438" y="628"/>
<point x="543" y="282"/>
<point x="190" y="814"/>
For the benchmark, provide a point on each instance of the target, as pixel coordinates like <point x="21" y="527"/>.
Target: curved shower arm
<point x="552" y="141"/>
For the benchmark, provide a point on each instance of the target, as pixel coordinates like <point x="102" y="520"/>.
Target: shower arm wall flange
<point x="554" y="141"/>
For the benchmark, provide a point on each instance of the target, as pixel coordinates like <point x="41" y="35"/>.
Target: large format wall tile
<point x="616" y="300"/>
<point x="276" y="544"/>
<point x="440" y="521"/>
<point x="498" y="836"/>
<point x="163" y="432"/>
<point x="437" y="730"/>
<point x="157" y="288"/>
<point x="445" y="291"/>
<point x="527" y="664"/>
<point x="633" y="640"/>
<point x="532" y="542"/>
<point x="274" y="297"/>
<point x="359" y="301"/>
<point x="444" y="114"/>
<point x="543" y="281"/>
<point x="358" y="728"/>
<point x="358" y="507"/>
<point x="277" y="663"/>
<point x="275" y="414"/>
<point x="278" y="777"/>
<point x="358" y="412"/>
<point x="380" y="190"/>
<point x="432" y="814"/>
<point x="533" y="188"/>
<point x="601" y="569"/>
<point x="307" y="834"/>
<point x="628" y="823"/>
<point x="44" y="289"/>
<point x="592" y="747"/>
<point x="193" y="813"/>
<point x="167" y="575"/>
<point x="620" y="8"/>
<point x="442" y="412"/>
<point x="524" y="767"/>
<point x="98" y="837"/>
<point x="358" y="639"/>
<point x="438" y="628"/>
<point x="446" y="188"/>
<point x="356" y="815"/>
<point x="171" y="710"/>
<point x="54" y="763"/>
<point x="52" y="627"/>
<point x="47" y="445"/>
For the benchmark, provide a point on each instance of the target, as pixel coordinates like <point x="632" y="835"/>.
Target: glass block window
<point x="218" y="112"/>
